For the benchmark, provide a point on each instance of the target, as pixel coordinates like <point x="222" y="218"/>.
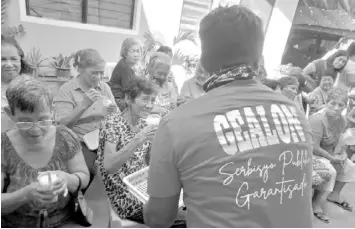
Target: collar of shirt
<point x="77" y="85"/>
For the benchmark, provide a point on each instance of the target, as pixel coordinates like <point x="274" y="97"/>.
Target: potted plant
<point x="34" y="60"/>
<point x="62" y="65"/>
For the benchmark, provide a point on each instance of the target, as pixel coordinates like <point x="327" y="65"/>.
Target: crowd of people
<point x="247" y="150"/>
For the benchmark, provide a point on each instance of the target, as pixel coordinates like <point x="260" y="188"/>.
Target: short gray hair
<point x="127" y="44"/>
<point x="25" y="92"/>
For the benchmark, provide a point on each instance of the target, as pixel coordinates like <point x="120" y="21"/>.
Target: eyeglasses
<point x="132" y="51"/>
<point x="29" y="125"/>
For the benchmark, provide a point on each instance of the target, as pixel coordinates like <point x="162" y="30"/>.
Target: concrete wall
<point x="160" y="16"/>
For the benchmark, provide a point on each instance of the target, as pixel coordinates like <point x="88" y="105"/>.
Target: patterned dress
<point x="21" y="174"/>
<point x="116" y="130"/>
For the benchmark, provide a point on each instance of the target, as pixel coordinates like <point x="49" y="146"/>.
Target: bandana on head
<point x="229" y="75"/>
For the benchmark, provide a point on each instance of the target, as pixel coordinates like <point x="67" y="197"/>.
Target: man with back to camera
<point x="242" y="153"/>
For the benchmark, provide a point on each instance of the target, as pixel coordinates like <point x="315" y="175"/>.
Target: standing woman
<point x="125" y="70"/>
<point x="12" y="65"/>
<point x="333" y="65"/>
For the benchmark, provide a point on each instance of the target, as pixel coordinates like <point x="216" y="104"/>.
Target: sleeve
<point x="309" y="69"/>
<point x="72" y="141"/>
<point x="315" y="122"/>
<point x="110" y="130"/>
<point x="63" y="103"/>
<point x="115" y="77"/>
<point x="4" y="159"/>
<point x="115" y="82"/>
<point x="163" y="178"/>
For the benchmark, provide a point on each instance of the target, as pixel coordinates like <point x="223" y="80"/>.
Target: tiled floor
<point x="340" y="218"/>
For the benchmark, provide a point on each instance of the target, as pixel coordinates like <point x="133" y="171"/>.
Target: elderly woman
<point x="125" y="141"/>
<point x="12" y="65"/>
<point x="332" y="65"/>
<point x="82" y="103"/>
<point x="36" y="145"/>
<point x="158" y="70"/>
<point x="193" y="88"/>
<point x="327" y="127"/>
<point x="171" y="78"/>
<point x="319" y="96"/>
<point x="125" y="70"/>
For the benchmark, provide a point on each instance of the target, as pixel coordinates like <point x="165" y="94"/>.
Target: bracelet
<point x="79" y="185"/>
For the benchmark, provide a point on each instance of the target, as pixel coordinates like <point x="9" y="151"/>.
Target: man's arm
<point x="164" y="184"/>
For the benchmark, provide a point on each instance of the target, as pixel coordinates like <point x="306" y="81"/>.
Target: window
<point x="192" y="13"/>
<point x="112" y="13"/>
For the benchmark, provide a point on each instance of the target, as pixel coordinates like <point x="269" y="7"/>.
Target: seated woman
<point x="334" y="64"/>
<point x="125" y="70"/>
<point x="13" y="64"/>
<point x="171" y="78"/>
<point x="34" y="146"/>
<point x="80" y="101"/>
<point x="327" y="126"/>
<point x="319" y="96"/>
<point x="193" y="88"/>
<point x="158" y="70"/>
<point x="125" y="141"/>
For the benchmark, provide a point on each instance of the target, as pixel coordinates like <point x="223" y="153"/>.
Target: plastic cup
<point x="349" y="137"/>
<point x="152" y="120"/>
<point x="46" y="181"/>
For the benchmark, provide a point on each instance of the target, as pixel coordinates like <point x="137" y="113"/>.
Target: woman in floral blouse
<point x="125" y="141"/>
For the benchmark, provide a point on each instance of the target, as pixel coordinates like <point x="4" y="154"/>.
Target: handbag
<point x="82" y="213"/>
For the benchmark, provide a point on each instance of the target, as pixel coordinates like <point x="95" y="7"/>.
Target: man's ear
<point x="8" y="112"/>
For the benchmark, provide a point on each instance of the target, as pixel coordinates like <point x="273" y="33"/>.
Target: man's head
<point x="231" y="36"/>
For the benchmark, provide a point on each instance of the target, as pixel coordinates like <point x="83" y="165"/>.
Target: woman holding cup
<point x="124" y="144"/>
<point x="35" y="149"/>
<point x="82" y="103"/>
<point x="329" y="148"/>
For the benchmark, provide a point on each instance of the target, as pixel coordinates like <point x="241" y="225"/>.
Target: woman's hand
<point x="147" y="133"/>
<point x="38" y="194"/>
<point x="339" y="159"/>
<point x="60" y="186"/>
<point x="93" y="95"/>
<point x="111" y="108"/>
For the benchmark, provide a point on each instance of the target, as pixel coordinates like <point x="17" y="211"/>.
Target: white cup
<point x="349" y="137"/>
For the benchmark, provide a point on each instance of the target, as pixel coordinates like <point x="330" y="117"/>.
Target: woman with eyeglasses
<point x="328" y="125"/>
<point x="126" y="70"/>
<point x="35" y="145"/>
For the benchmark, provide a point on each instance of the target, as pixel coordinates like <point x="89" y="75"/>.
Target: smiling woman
<point x="35" y="145"/>
<point x="12" y="65"/>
